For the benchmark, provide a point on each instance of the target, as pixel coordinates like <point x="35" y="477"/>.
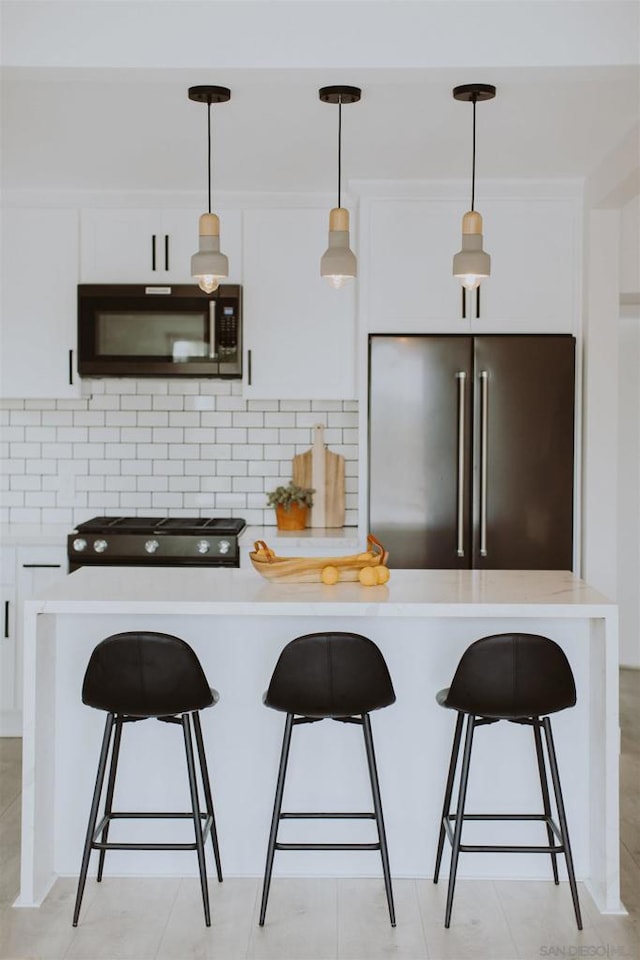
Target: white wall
<point x="629" y="487"/>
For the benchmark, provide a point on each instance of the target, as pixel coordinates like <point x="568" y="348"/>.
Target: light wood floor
<point x="319" y="919"/>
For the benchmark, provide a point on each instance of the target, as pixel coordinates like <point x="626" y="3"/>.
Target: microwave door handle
<point x="212" y="329"/>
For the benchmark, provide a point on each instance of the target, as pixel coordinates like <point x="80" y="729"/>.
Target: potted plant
<point x="291" y="505"/>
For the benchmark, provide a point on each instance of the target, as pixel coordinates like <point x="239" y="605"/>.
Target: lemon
<point x="329" y="575"/>
<point x="368" y="576"/>
<point x="382" y="573"/>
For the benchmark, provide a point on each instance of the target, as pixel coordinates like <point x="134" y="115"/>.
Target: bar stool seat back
<point x="330" y="675"/>
<point x="509" y="676"/>
<point x="338" y="676"/>
<point x="521" y="678"/>
<point x="135" y="676"/>
<point x="145" y="675"/>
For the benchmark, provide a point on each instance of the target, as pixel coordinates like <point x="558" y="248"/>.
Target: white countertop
<point x="335" y="538"/>
<point x="409" y="593"/>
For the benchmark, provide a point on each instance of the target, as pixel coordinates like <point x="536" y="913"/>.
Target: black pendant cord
<point x="339" y="148"/>
<point x="473" y="161"/>
<point x="209" y="151"/>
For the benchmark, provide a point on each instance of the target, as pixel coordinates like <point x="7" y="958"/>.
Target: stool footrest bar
<point x="328" y="816"/>
<point x="327" y="846"/>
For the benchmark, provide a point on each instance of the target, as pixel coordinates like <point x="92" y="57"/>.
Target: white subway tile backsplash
<point x="166" y="403"/>
<point x="152" y="483"/>
<point x="260" y="436"/>
<point x="124" y="418"/>
<point x="246" y="451"/>
<point x="231" y="435"/>
<point x="25" y="418"/>
<point x="152" y="451"/>
<point x="157" y="447"/>
<point x="221" y="418"/>
<point x="215" y="451"/>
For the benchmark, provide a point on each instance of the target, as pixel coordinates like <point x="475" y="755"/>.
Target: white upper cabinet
<point x="39" y="284"/>
<point x="150" y="246"/>
<point x="298" y="331"/>
<point x="406" y="281"/>
<point x="534" y="265"/>
<point x="408" y="247"/>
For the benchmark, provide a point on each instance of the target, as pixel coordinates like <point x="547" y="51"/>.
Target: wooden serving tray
<point x="309" y="569"/>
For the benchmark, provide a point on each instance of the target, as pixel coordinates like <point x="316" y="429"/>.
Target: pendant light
<point x="338" y="262"/>
<point x="471" y="264"/>
<point x="209" y="266"/>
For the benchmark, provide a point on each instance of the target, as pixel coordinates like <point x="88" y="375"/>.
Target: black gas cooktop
<point x="116" y="525"/>
<point x="155" y="541"/>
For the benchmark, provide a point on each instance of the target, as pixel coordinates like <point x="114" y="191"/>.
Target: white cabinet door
<point x="149" y="246"/>
<point x="534" y="265"/>
<point x="36" y="569"/>
<point x="9" y="716"/>
<point x="407" y="283"/>
<point x="298" y="331"/>
<point x="39" y="295"/>
<point x="9" y="713"/>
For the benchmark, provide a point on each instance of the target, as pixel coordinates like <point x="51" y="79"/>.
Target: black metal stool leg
<point x="462" y="795"/>
<point x="446" y="806"/>
<point x="562" y="817"/>
<point x="377" y="806"/>
<point x="111" y="782"/>
<point x="93" y="815"/>
<point x="545" y="794"/>
<point x="206" y="786"/>
<point x="275" y="819"/>
<point x="197" y="822"/>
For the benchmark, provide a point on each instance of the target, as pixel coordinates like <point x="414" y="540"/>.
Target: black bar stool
<point x="337" y="676"/>
<point x="135" y="676"/>
<point x="519" y="677"/>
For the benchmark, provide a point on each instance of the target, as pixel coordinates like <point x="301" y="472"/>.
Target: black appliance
<point x="155" y="541"/>
<point x="127" y="330"/>
<point x="471" y="450"/>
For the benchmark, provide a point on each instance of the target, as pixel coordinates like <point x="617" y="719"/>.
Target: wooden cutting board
<point x="322" y="470"/>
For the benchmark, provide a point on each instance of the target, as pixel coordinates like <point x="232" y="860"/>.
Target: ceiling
<point x="120" y="127"/>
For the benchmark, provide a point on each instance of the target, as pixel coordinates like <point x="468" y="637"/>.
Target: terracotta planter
<point x="295" y="518"/>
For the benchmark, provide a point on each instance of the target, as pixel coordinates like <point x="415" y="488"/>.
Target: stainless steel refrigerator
<point x="471" y="450"/>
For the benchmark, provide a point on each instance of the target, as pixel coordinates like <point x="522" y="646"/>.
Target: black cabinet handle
<point x="6" y="619"/>
<point x="153" y="251"/>
<point x="464" y="303"/>
<point x="248" y="368"/>
<point x="478" y="302"/>
<point x="70" y="368"/>
<point x="41" y="566"/>
<point x="166" y="251"/>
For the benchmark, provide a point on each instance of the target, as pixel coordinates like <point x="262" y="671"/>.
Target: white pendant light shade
<point x="338" y="262"/>
<point x="471" y="264"/>
<point x="209" y="266"/>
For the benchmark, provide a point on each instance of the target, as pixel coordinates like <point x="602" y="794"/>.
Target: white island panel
<point x="238" y="623"/>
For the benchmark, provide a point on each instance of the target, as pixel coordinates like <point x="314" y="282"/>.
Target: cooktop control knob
<point x="100" y="546"/>
<point x="79" y="544"/>
<point x="203" y="546"/>
<point x="151" y="546"/>
<point x="224" y="546"/>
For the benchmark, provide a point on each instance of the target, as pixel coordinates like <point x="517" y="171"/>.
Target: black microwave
<point x="127" y="330"/>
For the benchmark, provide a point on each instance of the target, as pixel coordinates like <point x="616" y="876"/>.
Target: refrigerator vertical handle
<point x="461" y="377"/>
<point x="484" y="409"/>
<point x="212" y="329"/>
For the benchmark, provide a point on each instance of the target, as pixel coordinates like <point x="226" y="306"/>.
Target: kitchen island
<point x="238" y="623"/>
